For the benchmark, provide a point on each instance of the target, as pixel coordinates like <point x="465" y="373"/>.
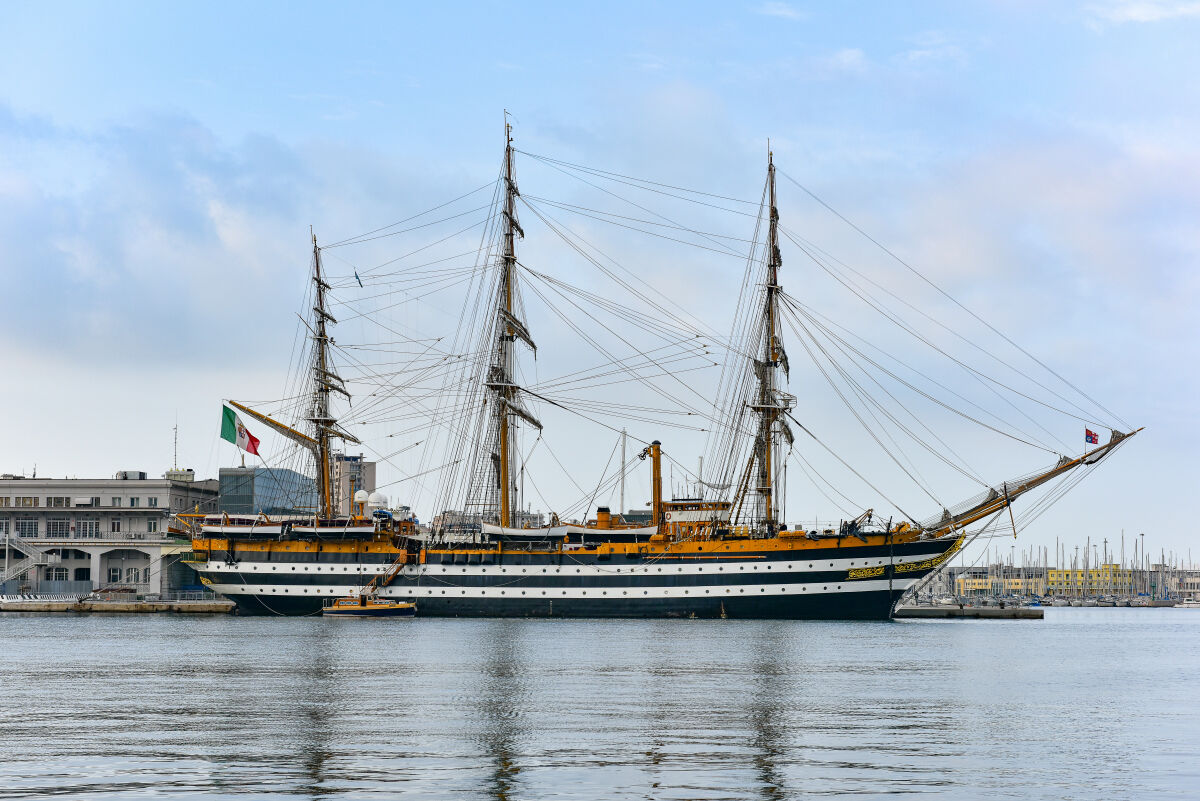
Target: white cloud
<point x="779" y="9"/>
<point x="932" y="47"/>
<point x="846" y="60"/>
<point x="1121" y="11"/>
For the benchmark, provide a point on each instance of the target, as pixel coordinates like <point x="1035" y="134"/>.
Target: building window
<point x="145" y="575"/>
<point x="134" y="502"/>
<point x="152" y="502"/>
<point x="27" y="528"/>
<point x="114" y="575"/>
<point x="3" y="526"/>
<point x="28" y="502"/>
<point x="58" y="502"/>
<point x="5" y="501"/>
<point x="133" y="575"/>
<point x="87" y="528"/>
<point x="152" y="526"/>
<point x="83" y="574"/>
<point x="56" y="574"/>
<point x="114" y="525"/>
<point x="58" y="527"/>
<point x="96" y="501"/>
<point x="115" y="502"/>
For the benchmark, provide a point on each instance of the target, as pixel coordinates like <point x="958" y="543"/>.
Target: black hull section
<point x="876" y="605"/>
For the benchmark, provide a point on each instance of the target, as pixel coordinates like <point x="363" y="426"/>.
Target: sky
<point x="160" y="166"/>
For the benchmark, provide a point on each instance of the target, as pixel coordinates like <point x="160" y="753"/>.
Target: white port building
<point x="72" y="535"/>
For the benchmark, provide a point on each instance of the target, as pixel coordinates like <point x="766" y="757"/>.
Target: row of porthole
<point x="678" y="570"/>
<point x="602" y="592"/>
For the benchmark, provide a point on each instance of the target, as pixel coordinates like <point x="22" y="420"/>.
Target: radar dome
<point x="360" y="496"/>
<point x="378" y="500"/>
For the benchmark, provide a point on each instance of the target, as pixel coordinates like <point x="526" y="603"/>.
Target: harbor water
<point x="1088" y="703"/>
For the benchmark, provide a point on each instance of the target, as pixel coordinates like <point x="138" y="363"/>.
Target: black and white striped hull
<point x="839" y="583"/>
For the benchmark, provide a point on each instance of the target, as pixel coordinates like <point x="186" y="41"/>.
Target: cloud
<point x="779" y="9"/>
<point x="932" y="47"/>
<point x="157" y="241"/>
<point x="846" y="60"/>
<point x="1122" y="11"/>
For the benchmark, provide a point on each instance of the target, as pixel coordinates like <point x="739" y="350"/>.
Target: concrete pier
<point x="972" y="612"/>
<point x="182" y="607"/>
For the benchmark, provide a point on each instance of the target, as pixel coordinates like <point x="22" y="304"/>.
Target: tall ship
<point x="720" y="546"/>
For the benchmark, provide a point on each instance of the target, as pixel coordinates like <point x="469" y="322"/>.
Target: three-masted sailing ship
<point x="726" y="552"/>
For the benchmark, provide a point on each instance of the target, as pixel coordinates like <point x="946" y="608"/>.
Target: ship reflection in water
<point x="123" y="707"/>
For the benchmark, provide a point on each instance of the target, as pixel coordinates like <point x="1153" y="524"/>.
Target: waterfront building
<point x="1105" y="579"/>
<point x="350" y="474"/>
<point x="67" y="535"/>
<point x="265" y="490"/>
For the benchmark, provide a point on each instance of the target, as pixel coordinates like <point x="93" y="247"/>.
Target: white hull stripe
<point x="568" y="568"/>
<point x="598" y="593"/>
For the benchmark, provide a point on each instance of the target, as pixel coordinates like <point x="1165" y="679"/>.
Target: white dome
<point x="377" y="499"/>
<point x="360" y="496"/>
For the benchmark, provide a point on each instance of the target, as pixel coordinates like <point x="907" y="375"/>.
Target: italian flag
<point x="235" y="431"/>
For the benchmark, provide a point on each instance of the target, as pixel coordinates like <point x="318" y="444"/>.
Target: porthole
<point x="741" y="590"/>
<point x="810" y="564"/>
<point x="824" y="588"/>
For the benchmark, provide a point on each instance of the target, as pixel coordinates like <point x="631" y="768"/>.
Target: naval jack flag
<point x="234" y="430"/>
<point x="1091" y="437"/>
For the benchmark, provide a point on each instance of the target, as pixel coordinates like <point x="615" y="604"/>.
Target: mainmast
<point x="501" y="379"/>
<point x="769" y="403"/>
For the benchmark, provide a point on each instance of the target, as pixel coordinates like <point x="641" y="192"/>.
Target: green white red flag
<point x="234" y="430"/>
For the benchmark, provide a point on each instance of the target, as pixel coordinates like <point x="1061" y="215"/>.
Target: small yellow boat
<point x="369" y="606"/>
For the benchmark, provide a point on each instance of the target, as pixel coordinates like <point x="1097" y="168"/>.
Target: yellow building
<point x="1100" y="580"/>
<point x="994" y="585"/>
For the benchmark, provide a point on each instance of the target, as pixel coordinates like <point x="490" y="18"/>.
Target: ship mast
<point x="769" y="403"/>
<point x="501" y="381"/>
<point x="325" y="381"/>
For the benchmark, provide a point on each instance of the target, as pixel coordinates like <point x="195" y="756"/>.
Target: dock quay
<point x="198" y="607"/>
<point x="959" y="611"/>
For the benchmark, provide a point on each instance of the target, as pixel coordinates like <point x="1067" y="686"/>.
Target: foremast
<point x="769" y="402"/>
<point x="497" y="501"/>
<point x="325" y="382"/>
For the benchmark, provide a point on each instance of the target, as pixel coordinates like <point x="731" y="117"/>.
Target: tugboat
<point x="369" y="606"/>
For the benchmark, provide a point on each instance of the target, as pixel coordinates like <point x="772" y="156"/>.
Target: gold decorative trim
<point x="907" y="567"/>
